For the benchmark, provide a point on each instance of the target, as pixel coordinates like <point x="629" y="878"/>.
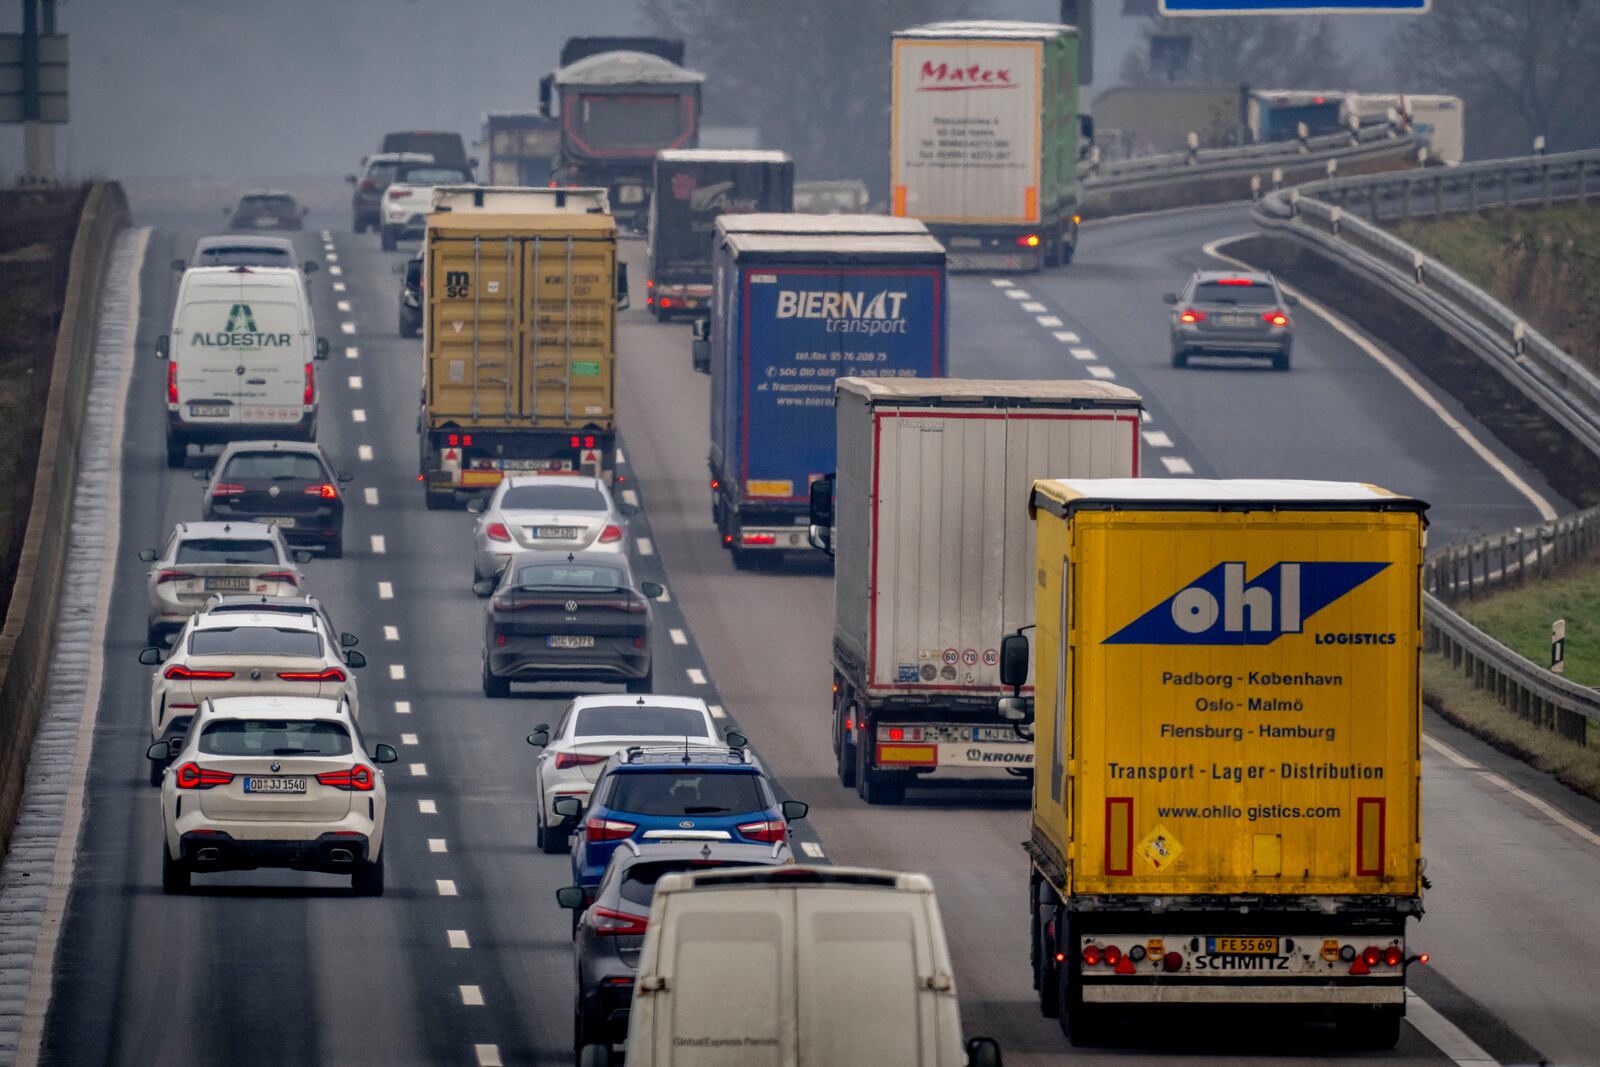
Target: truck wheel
<point x="1068" y="249"/>
<point x="844" y="749"/>
<point x="1180" y="358"/>
<point x="177" y="451"/>
<point x="1372" y="1029"/>
<point x="742" y="560"/>
<point x="875" y="792"/>
<point x="1046" y="972"/>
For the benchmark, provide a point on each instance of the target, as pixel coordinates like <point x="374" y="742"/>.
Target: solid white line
<point x="457" y="938"/>
<point x="1176" y="465"/>
<point x="630" y="498"/>
<point x="342" y="305"/>
<point x="437" y="844"/>
<point x="1084" y="354"/>
<point x="1001" y="283"/>
<point x="355" y="381"/>
<point x="370" y="493"/>
<point x="391" y="633"/>
<point x="402" y="707"/>
<point x="472" y="996"/>
<point x="1157" y="439"/>
<point x="1048" y="321"/>
<point x="352" y="352"/>
<point x="1101" y="371"/>
<point x="621" y="459"/>
<point x="335" y="270"/>
<point x="408" y="739"/>
<point x="716" y="711"/>
<point x="347" y="327"/>
<point x="645" y="547"/>
<point x="488" y="1055"/>
<point x="1019" y="294"/>
<point x="447" y="888"/>
<point x="1445" y="1035"/>
<point x="358" y="415"/>
<point x="379" y="547"/>
<point x="696" y="676"/>
<point x="385" y="591"/>
<point x="678" y="636"/>
<point x="364" y="452"/>
<point x="1404" y="377"/>
<point x="427" y="807"/>
<point x="1034" y="306"/>
<point x="812" y="849"/>
<point x="419" y="770"/>
<point x="1066" y="337"/>
<point x="1451" y="754"/>
<point x="397" y="672"/>
<point x="338" y="287"/>
<point x="64" y="863"/>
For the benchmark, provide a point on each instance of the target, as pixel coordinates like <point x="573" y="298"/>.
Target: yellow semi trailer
<point x="1226" y="728"/>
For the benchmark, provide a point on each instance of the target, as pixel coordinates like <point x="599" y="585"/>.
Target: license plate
<point x="557" y="533"/>
<point x="1242" y="946"/>
<point x="276" y="784"/>
<point x="994" y="733"/>
<point x="201" y="411"/>
<point x="538" y="464"/>
<point x="286" y="522"/>
<point x="1236" y="320"/>
<point x="241" y="585"/>
<point x="570" y="641"/>
<point x="266" y="222"/>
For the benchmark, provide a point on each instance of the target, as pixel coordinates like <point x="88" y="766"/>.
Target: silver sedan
<point x="202" y="559"/>
<point x="540" y="512"/>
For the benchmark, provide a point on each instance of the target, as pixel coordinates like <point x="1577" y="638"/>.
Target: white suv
<point x="273" y="782"/>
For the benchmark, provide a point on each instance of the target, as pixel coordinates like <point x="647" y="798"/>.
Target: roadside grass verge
<point x="1520" y="616"/>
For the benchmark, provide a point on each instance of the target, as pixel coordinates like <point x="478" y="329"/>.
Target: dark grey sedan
<point x="567" y="616"/>
<point x="1221" y="313"/>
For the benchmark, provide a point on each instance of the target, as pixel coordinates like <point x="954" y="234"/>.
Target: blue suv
<point x="675" y="794"/>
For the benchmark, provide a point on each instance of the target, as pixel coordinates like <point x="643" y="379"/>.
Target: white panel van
<point x="240" y="358"/>
<point x="796" y="967"/>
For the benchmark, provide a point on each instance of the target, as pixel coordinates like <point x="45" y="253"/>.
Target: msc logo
<point x="1222" y="608"/>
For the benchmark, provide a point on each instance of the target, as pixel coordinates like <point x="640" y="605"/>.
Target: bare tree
<point x="813" y="76"/>
<point x="1523" y="69"/>
<point x="1275" y="53"/>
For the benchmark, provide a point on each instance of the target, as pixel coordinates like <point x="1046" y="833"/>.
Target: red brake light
<point x="172" y="576"/>
<point x="331" y="674"/>
<point x="767" y="831"/>
<point x="179" y="673"/>
<point x="358" y="779"/>
<point x="325" y="491"/>
<point x="1234" y="281"/>
<point x="573" y="759"/>
<point x="1028" y="241"/>
<point x="192" y="776"/>
<point x="1393" y="957"/>
<point x="666" y="301"/>
<point x="758" y="539"/>
<point x="311" y="384"/>
<point x="1192" y="315"/>
<point x="1372" y="956"/>
<point x="649" y="283"/>
<point x="1319" y="100"/>
<point x="226" y="489"/>
<point x="172" y="381"/>
<point x="1172" y="961"/>
<point x="1276" y="318"/>
<point x="607" y="830"/>
<point x="1113" y="955"/>
<point x="280" y="576"/>
<point x="497" y="532"/>
<point x="610" y="535"/>
<point x="1091" y="955"/>
<point x="399" y="194"/>
<point x="609" y="923"/>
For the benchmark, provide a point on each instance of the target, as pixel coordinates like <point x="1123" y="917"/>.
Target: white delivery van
<point x="240" y="358"/>
<point x="796" y="967"/>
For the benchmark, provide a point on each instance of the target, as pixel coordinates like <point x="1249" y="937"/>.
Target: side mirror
<point x="355" y="660"/>
<point x="735" y="739"/>
<point x="160" y="752"/>
<point x="701" y="329"/>
<point x="322" y="348"/>
<point x="343" y="477"/>
<point x="1292" y="300"/>
<point x="302" y="556"/>
<point x="348" y="640"/>
<point x="820" y="532"/>
<point x="483" y="588"/>
<point x="540" y="736"/>
<point x="148" y="555"/>
<point x="1169" y="298"/>
<point x="700" y="355"/>
<point x="570" y="897"/>
<point x="795" y="810"/>
<point x="546" y="83"/>
<point x="1013" y="709"/>
<point x="567" y="807"/>
<point x="622" y="285"/>
<point x="983" y="1052"/>
<point x="150" y="656"/>
<point x="627" y="511"/>
<point x="384" y="754"/>
<point x="1014" y="660"/>
<point x="651" y="590"/>
<point x="350" y="179"/>
<point x="178" y="265"/>
<point x="478" y="505"/>
<point x="310" y="266"/>
<point x="163" y="346"/>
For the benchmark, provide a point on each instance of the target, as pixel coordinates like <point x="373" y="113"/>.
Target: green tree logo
<point x="241" y="313"/>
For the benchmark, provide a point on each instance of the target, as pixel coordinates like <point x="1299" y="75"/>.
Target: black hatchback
<point x="265" y="210"/>
<point x="288" y="484"/>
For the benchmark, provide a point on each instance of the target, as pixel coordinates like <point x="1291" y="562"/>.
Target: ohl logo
<point x="241" y="319"/>
<point x="1222" y="608"/>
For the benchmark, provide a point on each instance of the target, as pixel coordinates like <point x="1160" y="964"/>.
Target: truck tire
<point x="875" y="792"/>
<point x="1068" y="250"/>
<point x="1372" y="1029"/>
<point x="844" y="749"/>
<point x="1046" y="972"/>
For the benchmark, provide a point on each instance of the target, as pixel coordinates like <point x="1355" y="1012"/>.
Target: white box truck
<point x="927" y="520"/>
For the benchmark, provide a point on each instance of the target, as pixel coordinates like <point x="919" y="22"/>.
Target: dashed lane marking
<point x="437" y="844"/>
<point x="457" y="939"/>
<point x="364" y="452"/>
<point x="488" y="1055"/>
<point x="385" y="590"/>
<point x="716" y="711"/>
<point x="419" y="770"/>
<point x="1019" y="294"/>
<point x="1085" y="354"/>
<point x="472" y="996"/>
<point x="678" y="636"/>
<point x="326" y="235"/>
<point x="1066" y="337"/>
<point x="1176" y="465"/>
<point x="333" y="257"/>
<point x="812" y="849"/>
<point x="1048" y="321"/>
<point x="347" y="327"/>
<point x="1157" y="439"/>
<point x="397" y="672"/>
<point x="358" y="415"/>
<point x="447" y="888"/>
<point x="666" y="595"/>
<point x="1101" y="371"/>
<point x="696" y="676"/>
<point x="342" y="305"/>
<point x="1144" y="416"/>
<point x="1034" y="306"/>
<point x="408" y="739"/>
<point x="621" y="459"/>
<point x="630" y="498"/>
<point x="355" y="381"/>
<point x="402" y="707"/>
<point x="427" y="807"/>
<point x="645" y="547"/>
<point x="391" y="633"/>
<point x="352" y="352"/>
<point x="379" y="547"/>
<point x="335" y="270"/>
<point x="370" y="495"/>
<point x="338" y="287"/>
<point x="1001" y="283"/>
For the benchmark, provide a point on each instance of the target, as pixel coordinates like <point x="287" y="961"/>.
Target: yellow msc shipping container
<point x="1226" y="728"/>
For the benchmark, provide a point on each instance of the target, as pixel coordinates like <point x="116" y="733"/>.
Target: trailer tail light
<point x="179" y="673"/>
<point x="1113" y="955"/>
<point x="1372" y="956"/>
<point x="331" y="674"/>
<point x="607" y="830"/>
<point x="1191" y="315"/>
<point x="459" y="440"/>
<point x="576" y="759"/>
<point x="1030" y="240"/>
<point x="609" y="923"/>
<point x="311" y="384"/>
<point x="758" y="538"/>
<point x="1091" y="955"/>
<point x="666" y="301"/>
<point x="172" y="576"/>
<point x="611" y="535"/>
<point x="496" y="531"/>
<point x="172" y="381"/>
<point x="326" y="491"/>
<point x="1393" y="957"/>
<point x="767" y="831"/>
<point x="583" y="442"/>
<point x="1172" y="961"/>
<point x="1275" y="318"/>
<point x="1077" y="219"/>
<point x="358" y="779"/>
<point x="192" y="776"/>
<point x="908" y="755"/>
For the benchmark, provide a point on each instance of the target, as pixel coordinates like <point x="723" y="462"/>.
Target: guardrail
<point x="30" y="619"/>
<point x="1477" y="567"/>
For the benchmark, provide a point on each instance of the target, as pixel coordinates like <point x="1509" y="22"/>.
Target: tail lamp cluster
<point x="1275" y="317"/>
<point x="1122" y="962"/>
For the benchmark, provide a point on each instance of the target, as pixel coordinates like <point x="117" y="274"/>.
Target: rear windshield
<point x="267" y="203"/>
<point x="1256" y="294"/>
<point x="634" y="721"/>
<point x="226" y="550"/>
<point x="274" y="466"/>
<point x="676" y="793"/>
<point x="553" y="497"/>
<point x="254" y="641"/>
<point x="570" y="576"/>
<point x="275" y="737"/>
<point x="245" y="256"/>
<point x="639" y="884"/>
<point x="382" y="173"/>
<point x="432" y="175"/>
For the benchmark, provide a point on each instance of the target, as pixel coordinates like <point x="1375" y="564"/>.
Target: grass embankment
<point x="36" y="232"/>
<point x="1543" y="263"/>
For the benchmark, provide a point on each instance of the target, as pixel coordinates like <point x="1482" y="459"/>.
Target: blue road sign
<point x="1294" y="7"/>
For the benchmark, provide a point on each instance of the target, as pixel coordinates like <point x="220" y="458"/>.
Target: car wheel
<point x="386" y="239"/>
<point x="1180" y="358"/>
<point x="174" y="873"/>
<point x="367" y="879"/>
<point x="1280" y="361"/>
<point x="643" y="685"/>
<point x="552" y="840"/>
<point x="177" y="451"/>
<point x="494" y="687"/>
<point x="335" y="549"/>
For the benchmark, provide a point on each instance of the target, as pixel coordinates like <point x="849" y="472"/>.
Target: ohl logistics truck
<point x="934" y="560"/>
<point x="984" y="140"/>
<point x="1226" y="727"/>
<point x="520" y="333"/>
